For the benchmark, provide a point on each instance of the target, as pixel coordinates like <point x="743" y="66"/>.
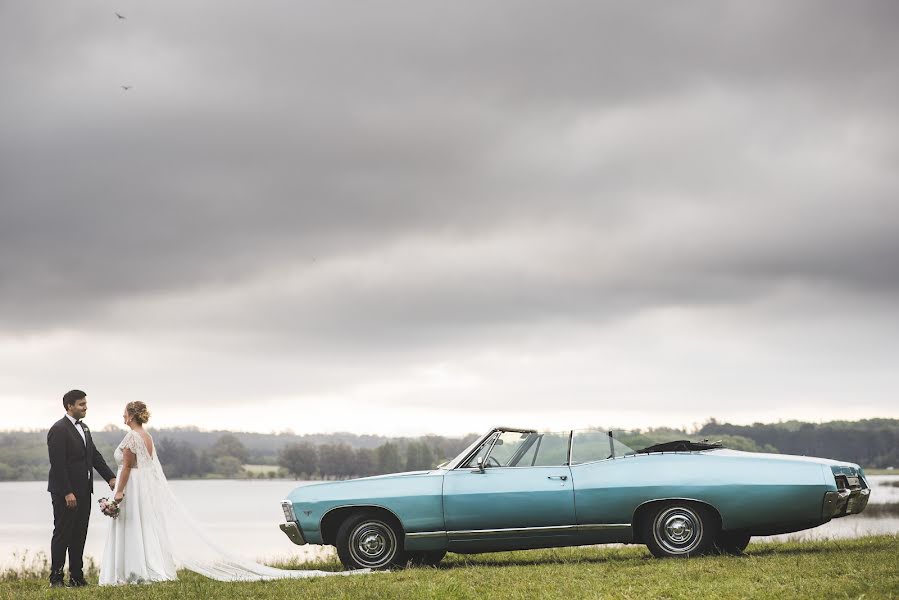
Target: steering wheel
<point x="493" y="460"/>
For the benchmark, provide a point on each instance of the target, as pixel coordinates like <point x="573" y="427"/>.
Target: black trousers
<point x="69" y="535"/>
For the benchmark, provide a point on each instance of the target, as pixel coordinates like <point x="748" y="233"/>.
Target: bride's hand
<point x="119" y="496"/>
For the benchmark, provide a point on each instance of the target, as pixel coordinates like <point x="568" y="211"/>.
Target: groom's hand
<point x="71" y="502"/>
<point x="112" y="484"/>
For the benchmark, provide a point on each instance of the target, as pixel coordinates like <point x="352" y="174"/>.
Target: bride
<point x="154" y="535"/>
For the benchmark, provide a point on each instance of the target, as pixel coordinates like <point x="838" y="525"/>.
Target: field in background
<point x="881" y="471"/>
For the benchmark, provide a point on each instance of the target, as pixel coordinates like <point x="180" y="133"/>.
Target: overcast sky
<point x="435" y="217"/>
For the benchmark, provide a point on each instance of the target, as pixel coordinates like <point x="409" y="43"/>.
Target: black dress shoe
<point x="77" y="583"/>
<point x="57" y="583"/>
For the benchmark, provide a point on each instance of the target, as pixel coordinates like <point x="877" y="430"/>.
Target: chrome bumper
<point x="292" y="531"/>
<point x="845" y="502"/>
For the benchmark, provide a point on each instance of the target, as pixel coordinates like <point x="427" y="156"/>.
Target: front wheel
<point x="678" y="530"/>
<point x="367" y="541"/>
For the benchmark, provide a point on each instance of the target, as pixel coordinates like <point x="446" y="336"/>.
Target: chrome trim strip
<point x="555" y="529"/>
<point x="426" y="535"/>
<point x="524" y="467"/>
<point x="603" y="527"/>
<point x="467" y="533"/>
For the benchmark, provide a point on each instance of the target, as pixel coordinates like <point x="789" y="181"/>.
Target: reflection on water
<point x="244" y="516"/>
<point x="882" y="511"/>
<point x="884" y="489"/>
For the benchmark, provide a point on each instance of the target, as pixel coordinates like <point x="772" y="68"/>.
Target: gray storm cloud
<point x="422" y="179"/>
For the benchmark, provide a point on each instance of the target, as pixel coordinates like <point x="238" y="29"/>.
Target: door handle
<point x="562" y="477"/>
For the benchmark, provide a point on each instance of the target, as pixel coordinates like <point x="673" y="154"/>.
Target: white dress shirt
<point x="77" y="427"/>
<point x="83" y="438"/>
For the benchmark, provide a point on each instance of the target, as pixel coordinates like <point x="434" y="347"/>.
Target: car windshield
<point x="478" y="443"/>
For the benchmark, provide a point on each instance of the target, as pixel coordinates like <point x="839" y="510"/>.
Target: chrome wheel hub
<point x="678" y="530"/>
<point x="372" y="544"/>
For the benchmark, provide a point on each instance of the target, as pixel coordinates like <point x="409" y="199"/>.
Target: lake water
<point x="240" y="514"/>
<point x="245" y="514"/>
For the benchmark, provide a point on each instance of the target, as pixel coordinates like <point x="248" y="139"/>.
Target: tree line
<point x="190" y="453"/>
<point x="305" y="460"/>
<point x="23" y="454"/>
<point x="871" y="443"/>
<point x="227" y="457"/>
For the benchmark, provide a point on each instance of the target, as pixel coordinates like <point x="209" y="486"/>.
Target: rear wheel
<point x="678" y="530"/>
<point x="368" y="541"/>
<point x="426" y="558"/>
<point x="732" y="542"/>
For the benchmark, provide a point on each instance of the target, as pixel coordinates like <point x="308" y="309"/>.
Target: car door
<point x="608" y="486"/>
<point x="523" y="497"/>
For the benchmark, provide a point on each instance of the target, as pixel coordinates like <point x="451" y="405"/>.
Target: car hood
<point x="376" y="477"/>
<point x="395" y="475"/>
<point x="378" y="486"/>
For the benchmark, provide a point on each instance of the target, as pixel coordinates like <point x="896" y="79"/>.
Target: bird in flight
<point x="121" y="17"/>
<point x="127" y="87"/>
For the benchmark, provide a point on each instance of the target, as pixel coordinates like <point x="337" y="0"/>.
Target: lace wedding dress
<point x="154" y="535"/>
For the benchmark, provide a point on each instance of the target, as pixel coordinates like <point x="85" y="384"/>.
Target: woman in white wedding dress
<point x="154" y="535"/>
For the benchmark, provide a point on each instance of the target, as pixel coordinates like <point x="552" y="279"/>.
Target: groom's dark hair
<point x="71" y="397"/>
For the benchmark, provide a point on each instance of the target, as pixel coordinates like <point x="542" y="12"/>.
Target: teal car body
<point x="585" y="488"/>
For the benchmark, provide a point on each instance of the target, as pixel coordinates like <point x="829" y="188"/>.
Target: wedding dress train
<point x="154" y="535"/>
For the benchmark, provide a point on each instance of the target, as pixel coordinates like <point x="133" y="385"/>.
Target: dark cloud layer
<point x="414" y="175"/>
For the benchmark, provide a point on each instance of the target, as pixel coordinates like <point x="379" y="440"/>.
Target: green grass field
<point x="865" y="567"/>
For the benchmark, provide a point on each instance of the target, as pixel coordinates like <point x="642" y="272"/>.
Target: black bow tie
<point x="78" y="422"/>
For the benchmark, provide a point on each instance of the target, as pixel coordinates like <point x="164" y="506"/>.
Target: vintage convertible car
<point x="515" y="489"/>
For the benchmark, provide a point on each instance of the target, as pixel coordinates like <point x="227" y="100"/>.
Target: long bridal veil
<point x="188" y="544"/>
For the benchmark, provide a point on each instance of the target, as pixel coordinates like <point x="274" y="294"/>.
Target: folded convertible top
<point x="681" y="446"/>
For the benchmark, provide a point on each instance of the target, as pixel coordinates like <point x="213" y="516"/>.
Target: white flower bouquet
<point x="110" y="508"/>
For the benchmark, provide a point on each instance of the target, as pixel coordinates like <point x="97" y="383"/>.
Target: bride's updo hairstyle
<point x="138" y="411"/>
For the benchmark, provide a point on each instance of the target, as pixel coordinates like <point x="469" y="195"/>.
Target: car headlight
<point x="287" y="506"/>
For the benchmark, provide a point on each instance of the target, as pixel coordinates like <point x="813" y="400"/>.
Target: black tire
<point x="425" y="558"/>
<point x="367" y="540"/>
<point x="732" y="542"/>
<point x="679" y="530"/>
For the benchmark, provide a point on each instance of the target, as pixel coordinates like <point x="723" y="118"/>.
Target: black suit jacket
<point x="72" y="461"/>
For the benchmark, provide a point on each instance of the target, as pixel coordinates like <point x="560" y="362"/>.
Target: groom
<point x="73" y="459"/>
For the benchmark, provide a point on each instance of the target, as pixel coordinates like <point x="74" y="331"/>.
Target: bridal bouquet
<point x="108" y="507"/>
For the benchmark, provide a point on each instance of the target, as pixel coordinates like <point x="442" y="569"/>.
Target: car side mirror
<point x="480" y="463"/>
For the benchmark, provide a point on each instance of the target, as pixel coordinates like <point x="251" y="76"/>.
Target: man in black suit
<point x="73" y="459"/>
